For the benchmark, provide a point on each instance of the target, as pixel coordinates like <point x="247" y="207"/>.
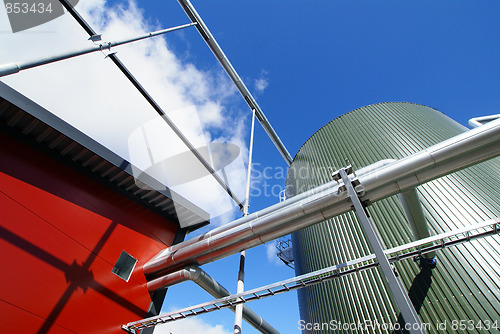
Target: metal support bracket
<point x="95" y="38"/>
<point x="399" y="293"/>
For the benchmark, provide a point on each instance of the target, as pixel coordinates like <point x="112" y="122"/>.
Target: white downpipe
<point x="238" y="313"/>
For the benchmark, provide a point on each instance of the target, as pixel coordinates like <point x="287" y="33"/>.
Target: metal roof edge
<point x="363" y="107"/>
<point x="31" y="108"/>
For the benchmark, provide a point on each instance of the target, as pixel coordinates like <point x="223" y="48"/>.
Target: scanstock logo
<point x="26" y="14"/>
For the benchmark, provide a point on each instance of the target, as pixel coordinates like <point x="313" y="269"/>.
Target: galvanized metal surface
<point x="464" y="285"/>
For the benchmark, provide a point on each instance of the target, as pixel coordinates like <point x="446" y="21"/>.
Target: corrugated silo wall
<point x="465" y="283"/>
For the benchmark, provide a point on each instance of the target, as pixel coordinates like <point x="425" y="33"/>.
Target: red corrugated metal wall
<point x="60" y="235"/>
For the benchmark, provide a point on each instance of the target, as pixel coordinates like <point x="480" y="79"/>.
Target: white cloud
<point x="271" y="253"/>
<point x="211" y="114"/>
<point x="90" y="93"/>
<point x="189" y="326"/>
<point x="262" y="82"/>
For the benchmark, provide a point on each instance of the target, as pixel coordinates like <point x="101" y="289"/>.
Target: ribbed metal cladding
<point x="465" y="285"/>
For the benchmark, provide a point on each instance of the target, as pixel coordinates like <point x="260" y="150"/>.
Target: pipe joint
<point x="8" y="69"/>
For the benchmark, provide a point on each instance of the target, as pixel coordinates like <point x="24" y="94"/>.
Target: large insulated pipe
<point x="330" y="200"/>
<point x="210" y="285"/>
<point x="412" y="208"/>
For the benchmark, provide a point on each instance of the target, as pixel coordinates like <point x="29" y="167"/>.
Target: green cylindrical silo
<point x="464" y="285"/>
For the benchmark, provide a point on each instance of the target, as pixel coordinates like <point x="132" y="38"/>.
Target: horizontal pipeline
<point x="210" y="285"/>
<point x="329" y="200"/>
<point x="13" y="68"/>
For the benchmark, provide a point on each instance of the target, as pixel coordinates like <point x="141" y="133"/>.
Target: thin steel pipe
<point x="249" y="169"/>
<point x="12" y="68"/>
<point x="228" y="67"/>
<point x="238" y="313"/>
<point x="477" y="121"/>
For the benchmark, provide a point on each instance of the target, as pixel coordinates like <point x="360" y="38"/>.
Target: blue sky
<point x="323" y="59"/>
<point x="307" y="63"/>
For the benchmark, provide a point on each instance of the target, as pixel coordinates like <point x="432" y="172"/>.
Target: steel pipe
<point x="329" y="200"/>
<point x="210" y="285"/>
<point x="410" y="202"/>
<point x="231" y="72"/>
<point x="478" y="121"/>
<point x="13" y="68"/>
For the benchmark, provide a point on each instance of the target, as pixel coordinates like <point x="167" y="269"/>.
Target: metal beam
<point x="329" y="200"/>
<point x="228" y="67"/>
<point x="398" y="291"/>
